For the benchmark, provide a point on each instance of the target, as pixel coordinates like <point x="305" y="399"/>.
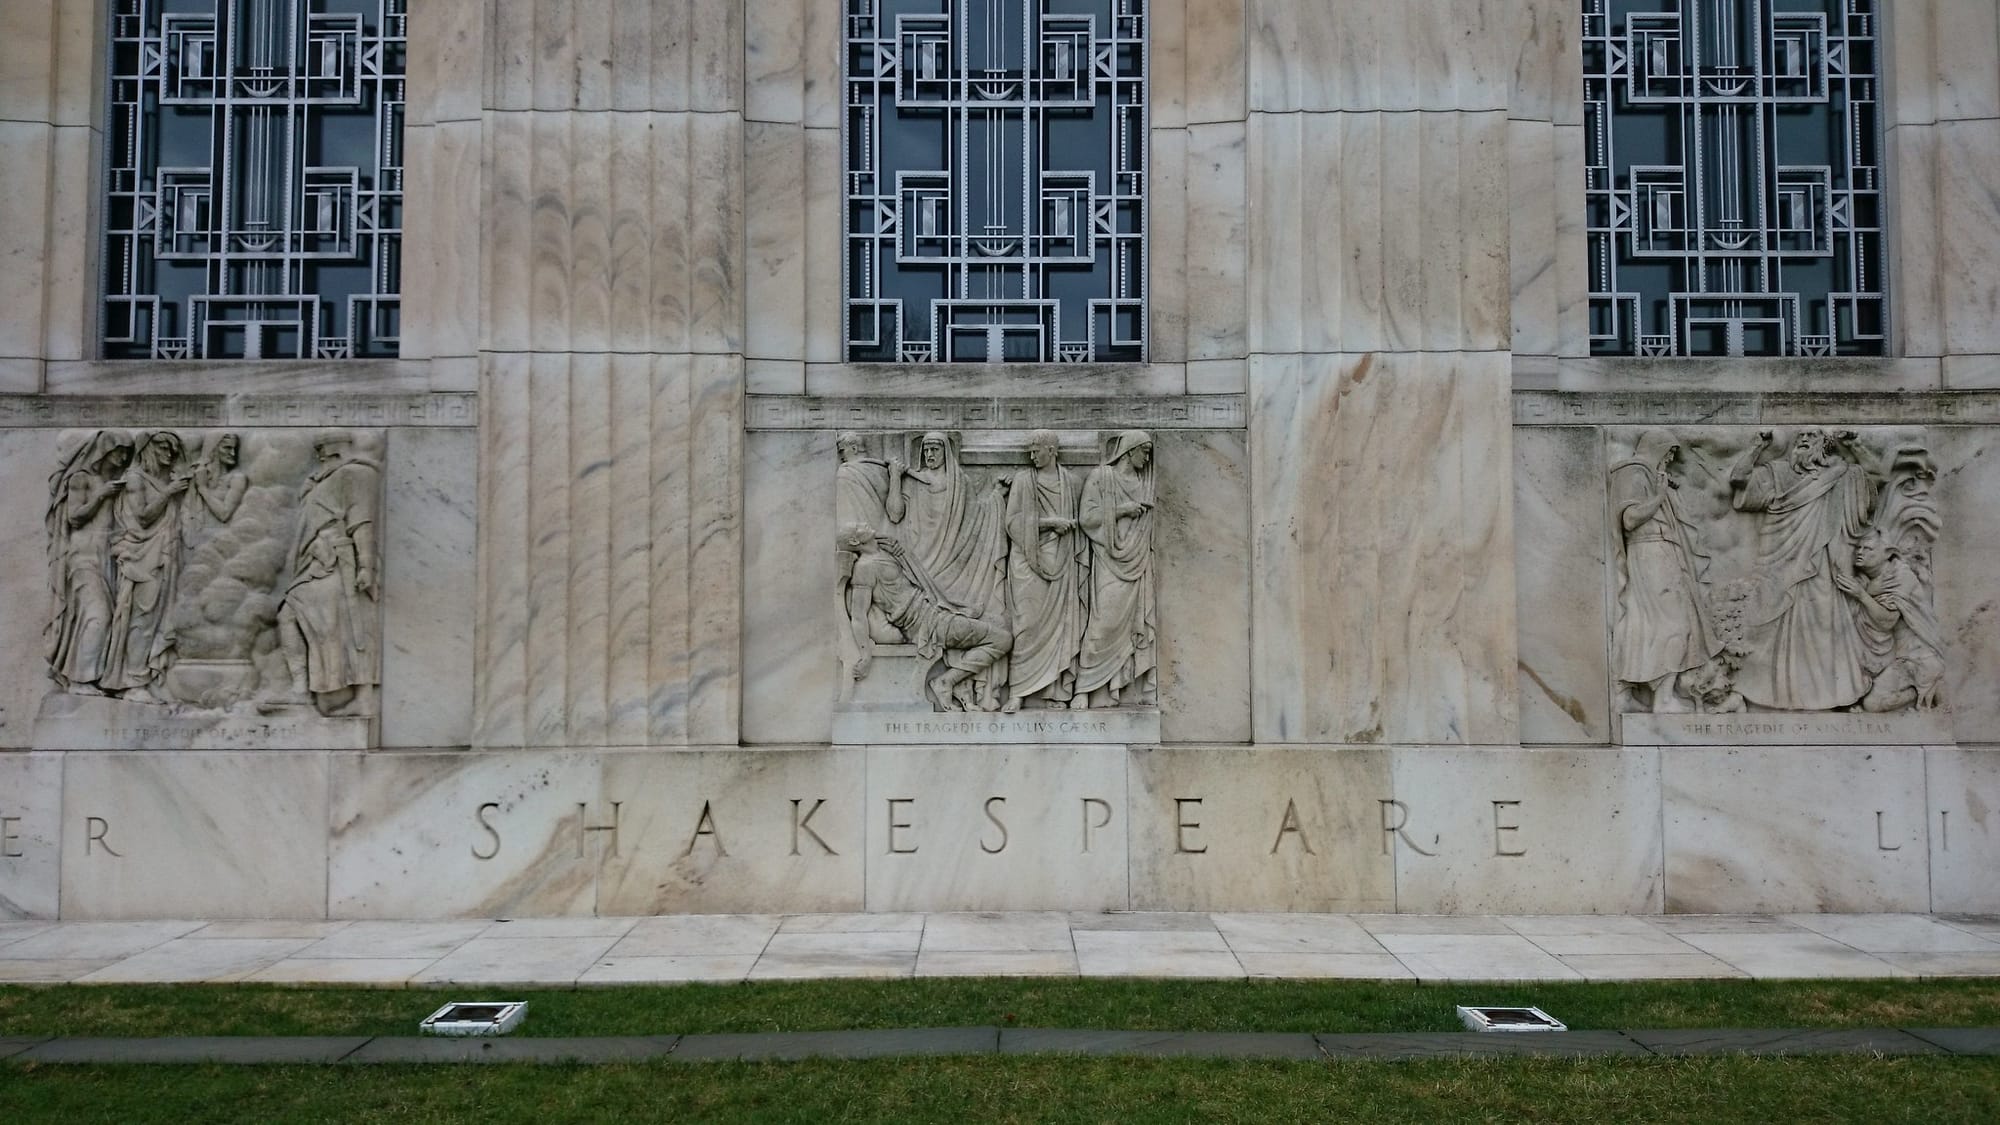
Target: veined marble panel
<point x="466" y="834"/>
<point x="1203" y="557"/>
<point x="1794" y="829"/>
<point x="30" y="816"/>
<point x="428" y="606"/>
<point x="734" y="831"/>
<point x="1228" y="828"/>
<point x="1384" y="606"/>
<point x="25" y="457"/>
<point x="1546" y="831"/>
<point x="1964" y="829"/>
<point x="1968" y="570"/>
<point x="1559" y="545"/>
<point x="791" y="658"/>
<point x="192" y="834"/>
<point x="996" y="828"/>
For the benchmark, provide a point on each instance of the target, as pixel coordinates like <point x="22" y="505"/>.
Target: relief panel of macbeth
<point x="217" y="570"/>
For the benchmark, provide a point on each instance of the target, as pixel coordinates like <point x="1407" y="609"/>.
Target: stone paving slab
<point x="1784" y="1041"/>
<point x="1476" y="1044"/>
<point x="897" y="1043"/>
<point x="1961" y="1040"/>
<point x="1161" y="1044"/>
<point x="251" y="1049"/>
<point x="487" y="1049"/>
<point x="11" y="1045"/>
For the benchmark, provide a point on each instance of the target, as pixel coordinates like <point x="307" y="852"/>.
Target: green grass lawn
<point x="1150" y="1005"/>
<point x="1003" y="1089"/>
<point x="991" y="1089"/>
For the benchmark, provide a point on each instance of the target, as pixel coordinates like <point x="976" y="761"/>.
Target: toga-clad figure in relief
<point x="80" y="525"/>
<point x="1120" y="650"/>
<point x="1046" y="560"/>
<point x="327" y="622"/>
<point x="1663" y="627"/>
<point x="1804" y="646"/>
<point x="955" y="532"/>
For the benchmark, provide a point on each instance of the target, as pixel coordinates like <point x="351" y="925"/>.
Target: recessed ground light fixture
<point x="479" y="1018"/>
<point x="1509" y="1019"/>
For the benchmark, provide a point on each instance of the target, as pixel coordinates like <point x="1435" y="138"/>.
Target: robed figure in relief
<point x="954" y="531"/>
<point x="1663" y="626"/>
<point x="326" y="624"/>
<point x="80" y="525"/>
<point x="1120" y="651"/>
<point x="146" y="557"/>
<point x="1047" y="556"/>
<point x="1804" y="645"/>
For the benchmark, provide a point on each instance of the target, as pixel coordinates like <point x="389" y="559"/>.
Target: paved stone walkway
<point x="731" y="947"/>
<point x="907" y="1043"/>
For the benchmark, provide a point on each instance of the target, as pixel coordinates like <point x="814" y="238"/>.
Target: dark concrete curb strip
<point x="919" y="1042"/>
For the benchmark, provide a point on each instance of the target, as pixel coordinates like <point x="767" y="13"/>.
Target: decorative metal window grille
<point x="255" y="163"/>
<point x="995" y="180"/>
<point x="1734" y="182"/>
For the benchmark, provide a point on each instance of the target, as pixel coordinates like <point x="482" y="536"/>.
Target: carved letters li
<point x="213" y="571"/>
<point x="996" y="579"/>
<point x="1760" y="572"/>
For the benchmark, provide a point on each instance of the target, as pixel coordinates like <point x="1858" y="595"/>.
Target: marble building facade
<point x="1419" y="604"/>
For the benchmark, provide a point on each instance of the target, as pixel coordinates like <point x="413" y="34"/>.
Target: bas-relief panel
<point x="997" y="577"/>
<point x="212" y="590"/>
<point x="1760" y="574"/>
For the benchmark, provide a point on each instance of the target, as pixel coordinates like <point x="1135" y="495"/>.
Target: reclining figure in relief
<point x="878" y="575"/>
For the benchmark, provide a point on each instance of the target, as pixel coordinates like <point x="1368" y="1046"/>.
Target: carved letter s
<point x="490" y="830"/>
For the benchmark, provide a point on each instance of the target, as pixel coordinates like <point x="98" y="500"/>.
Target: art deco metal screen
<point x="995" y="180"/>
<point x="255" y="161"/>
<point x="1734" y="177"/>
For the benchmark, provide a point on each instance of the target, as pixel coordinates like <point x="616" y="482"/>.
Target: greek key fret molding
<point x="1720" y="408"/>
<point x="808" y="412"/>
<point x="272" y="411"/>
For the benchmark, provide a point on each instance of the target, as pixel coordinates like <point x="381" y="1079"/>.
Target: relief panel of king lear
<point x="216" y="570"/>
<point x="1019" y="573"/>
<point x="1759" y="571"/>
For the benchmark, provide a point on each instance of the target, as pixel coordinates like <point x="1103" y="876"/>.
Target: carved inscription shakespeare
<point x="1759" y="572"/>
<point x="1000" y="579"/>
<point x="205" y="572"/>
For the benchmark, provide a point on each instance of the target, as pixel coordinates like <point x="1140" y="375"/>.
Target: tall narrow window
<point x="255" y="164"/>
<point x="1734" y="183"/>
<point x="995" y="180"/>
